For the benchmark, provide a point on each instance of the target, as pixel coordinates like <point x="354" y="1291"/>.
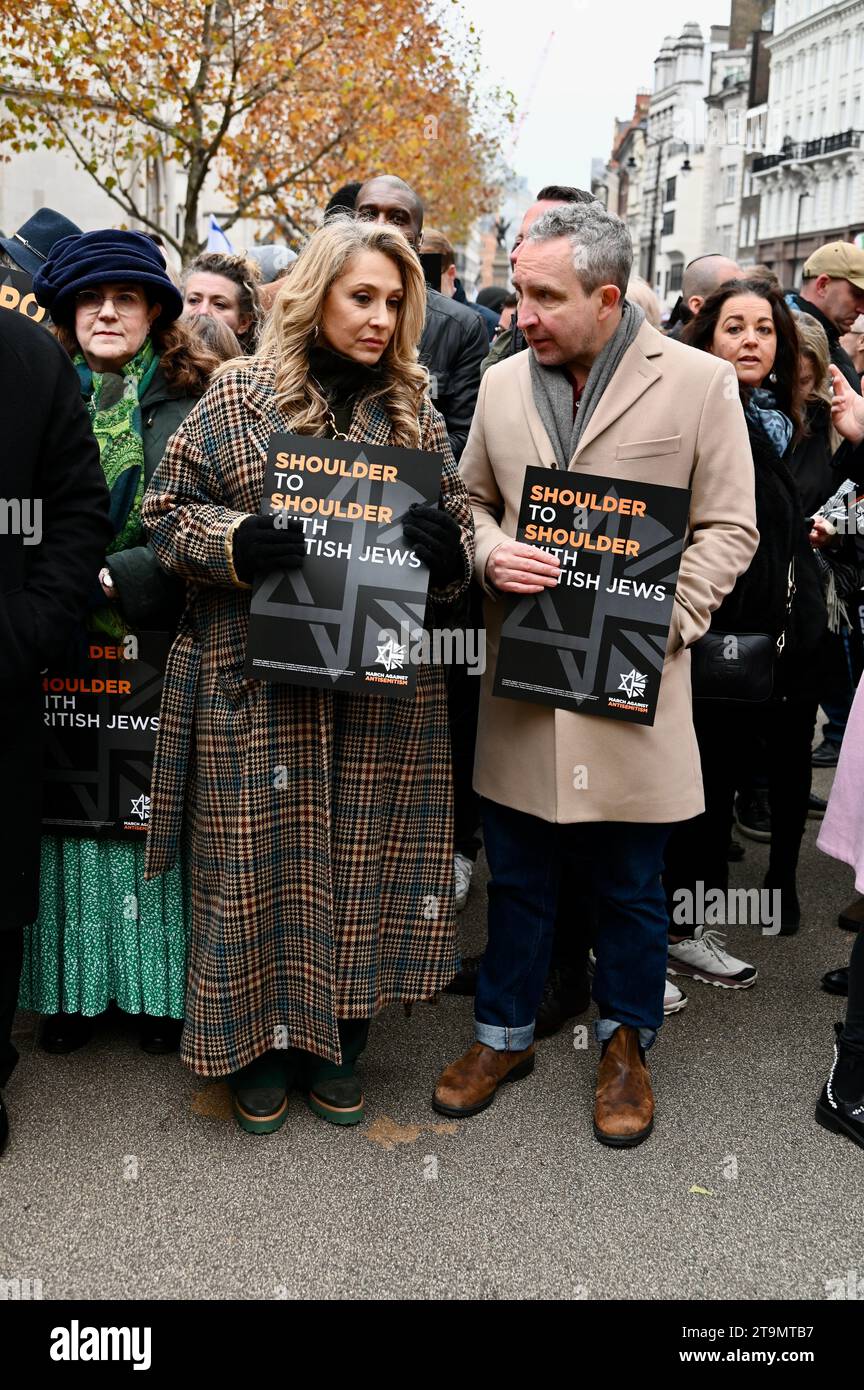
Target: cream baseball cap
<point x="842" y="260"/>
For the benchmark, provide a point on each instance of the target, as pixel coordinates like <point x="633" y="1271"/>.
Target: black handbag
<point x="733" y="666"/>
<point x="738" y="667"/>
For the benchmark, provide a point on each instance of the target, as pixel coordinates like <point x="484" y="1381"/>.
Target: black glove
<point x="260" y="545"/>
<point x="435" y="539"/>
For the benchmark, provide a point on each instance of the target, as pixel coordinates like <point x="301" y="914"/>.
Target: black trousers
<point x="463" y="703"/>
<point x="11" y="960"/>
<point x="853" y="1030"/>
<point x="731" y="739"/>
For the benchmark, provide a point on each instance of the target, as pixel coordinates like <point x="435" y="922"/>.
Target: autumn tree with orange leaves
<point x="278" y="101"/>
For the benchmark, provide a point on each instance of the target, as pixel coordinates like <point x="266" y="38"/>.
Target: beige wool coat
<point x="671" y="415"/>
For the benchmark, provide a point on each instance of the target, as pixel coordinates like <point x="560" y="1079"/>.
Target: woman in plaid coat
<point x="319" y="823"/>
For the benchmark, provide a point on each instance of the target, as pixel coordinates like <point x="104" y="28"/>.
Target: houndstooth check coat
<point x="331" y="896"/>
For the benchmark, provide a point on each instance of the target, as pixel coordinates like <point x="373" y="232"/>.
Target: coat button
<point x="150" y="421"/>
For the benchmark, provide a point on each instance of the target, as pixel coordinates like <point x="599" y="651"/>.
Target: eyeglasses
<point x="125" y="302"/>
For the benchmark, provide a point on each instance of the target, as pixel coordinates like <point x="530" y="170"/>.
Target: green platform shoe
<point x="260" y="1093"/>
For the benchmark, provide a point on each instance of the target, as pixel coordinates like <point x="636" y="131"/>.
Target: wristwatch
<point x="105" y="578"/>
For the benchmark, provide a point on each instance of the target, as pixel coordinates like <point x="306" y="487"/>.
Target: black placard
<point x="350" y="616"/>
<point x="595" y="643"/>
<point x="16" y="293"/>
<point x="101" y="717"/>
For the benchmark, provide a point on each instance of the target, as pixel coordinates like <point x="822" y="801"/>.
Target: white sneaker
<point x="462" y="871"/>
<point x="674" y="999"/>
<point x="704" y="958"/>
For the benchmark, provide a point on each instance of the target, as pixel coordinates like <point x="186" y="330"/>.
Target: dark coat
<point x="150" y="597"/>
<point x="453" y="345"/>
<point x="759" y="599"/>
<point x="489" y="317"/>
<point x="811" y="462"/>
<point x="839" y="355"/>
<point x="49" y="454"/>
<point x="332" y="895"/>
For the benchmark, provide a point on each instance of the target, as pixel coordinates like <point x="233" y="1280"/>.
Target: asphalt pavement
<point x="127" y="1177"/>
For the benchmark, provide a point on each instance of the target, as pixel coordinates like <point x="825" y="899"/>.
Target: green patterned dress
<point x="102" y="933"/>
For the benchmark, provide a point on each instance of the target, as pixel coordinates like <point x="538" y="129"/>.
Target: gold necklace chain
<point x="330" y="417"/>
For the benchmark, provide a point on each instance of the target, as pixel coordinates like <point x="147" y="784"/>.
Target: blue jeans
<point x="623" y="863"/>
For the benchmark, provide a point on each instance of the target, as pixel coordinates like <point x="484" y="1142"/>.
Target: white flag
<point x="216" y="238"/>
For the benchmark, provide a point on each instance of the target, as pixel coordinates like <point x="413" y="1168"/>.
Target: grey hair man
<point x="599" y="392"/>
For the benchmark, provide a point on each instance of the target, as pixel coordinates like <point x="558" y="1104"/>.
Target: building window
<point x="676" y="276"/>
<point x="668" y="222"/>
<point x="729" y="181"/>
<point x="669" y="196"/>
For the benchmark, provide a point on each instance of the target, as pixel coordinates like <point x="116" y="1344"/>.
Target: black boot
<point x="790" y="907"/>
<point x="840" y="1108"/>
<point x="836" y="981"/>
<point x="62" y="1033"/>
<point x="465" y="981"/>
<point x="160" y="1035"/>
<point x="753" y="814"/>
<point x="567" y="993"/>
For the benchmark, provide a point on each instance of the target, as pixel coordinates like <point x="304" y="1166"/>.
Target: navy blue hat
<point x="92" y="258"/>
<point x="31" y="245"/>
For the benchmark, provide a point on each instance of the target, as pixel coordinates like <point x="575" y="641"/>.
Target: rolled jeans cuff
<point x="504" y="1039"/>
<point x="605" y="1027"/>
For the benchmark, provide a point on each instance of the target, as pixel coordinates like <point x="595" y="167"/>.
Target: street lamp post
<point x="685" y="169"/>
<point x="801" y="197"/>
<point x="653" y="240"/>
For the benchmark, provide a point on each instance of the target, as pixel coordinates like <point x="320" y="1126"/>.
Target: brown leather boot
<point x="624" y="1105"/>
<point x="466" y="1087"/>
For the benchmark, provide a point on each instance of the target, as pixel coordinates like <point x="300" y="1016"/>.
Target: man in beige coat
<point x="599" y="391"/>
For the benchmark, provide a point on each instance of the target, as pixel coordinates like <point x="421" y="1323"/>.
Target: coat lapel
<point x="634" y="376"/>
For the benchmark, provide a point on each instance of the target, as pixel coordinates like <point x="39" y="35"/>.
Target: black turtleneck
<point x="343" y="381"/>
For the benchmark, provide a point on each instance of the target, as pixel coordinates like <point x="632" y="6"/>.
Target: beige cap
<point x="842" y="260"/>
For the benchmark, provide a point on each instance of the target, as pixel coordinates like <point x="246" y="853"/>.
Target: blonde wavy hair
<point x="290" y="331"/>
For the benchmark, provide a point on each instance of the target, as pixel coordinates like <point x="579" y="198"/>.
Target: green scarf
<point x="117" y="427"/>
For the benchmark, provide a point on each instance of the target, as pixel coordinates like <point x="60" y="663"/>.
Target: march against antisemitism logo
<point x="633" y="683"/>
<point x="141" y="807"/>
<point x="391" y="655"/>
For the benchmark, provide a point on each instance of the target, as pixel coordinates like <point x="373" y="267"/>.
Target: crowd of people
<point x="260" y="925"/>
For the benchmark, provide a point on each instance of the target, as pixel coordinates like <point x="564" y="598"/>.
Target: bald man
<point x="701" y="278"/>
<point x="454" y="340"/>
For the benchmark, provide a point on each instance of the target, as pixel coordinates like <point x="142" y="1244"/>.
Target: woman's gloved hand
<point x="260" y="546"/>
<point x="435" y="539"/>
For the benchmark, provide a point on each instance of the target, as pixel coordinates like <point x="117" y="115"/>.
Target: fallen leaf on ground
<point x="388" y="1133"/>
<point x="214" y="1102"/>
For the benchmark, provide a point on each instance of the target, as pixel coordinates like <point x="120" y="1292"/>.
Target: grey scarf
<point x="553" y="389"/>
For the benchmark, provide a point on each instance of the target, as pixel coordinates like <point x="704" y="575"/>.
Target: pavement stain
<point x="388" y="1133"/>
<point x="214" y="1102"/>
<point x="701" y="1191"/>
